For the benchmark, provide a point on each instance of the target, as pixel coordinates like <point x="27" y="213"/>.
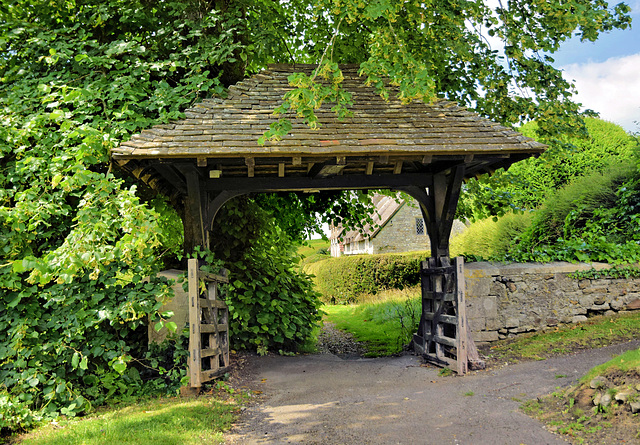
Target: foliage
<point x="154" y="421"/>
<point x="528" y="183"/>
<point x="441" y="49"/>
<point x="75" y="239"/>
<point x="593" y="219"/>
<point x="272" y="304"/>
<point x="345" y="279"/>
<point x="597" y="331"/>
<point x="490" y="239"/>
<point x="615" y="272"/>
<point x="77" y="78"/>
<point x="385" y="325"/>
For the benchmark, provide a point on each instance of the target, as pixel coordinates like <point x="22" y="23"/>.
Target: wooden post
<point x="461" y="330"/>
<point x="195" y="347"/>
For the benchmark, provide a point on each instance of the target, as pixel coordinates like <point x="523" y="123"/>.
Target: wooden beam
<point x="468" y="159"/>
<point x="369" y="169"/>
<point x="172" y="177"/>
<point x="194" y="207"/>
<point x="251" y="165"/>
<point x="281" y="170"/>
<point x="295" y="183"/>
<point x="384" y="159"/>
<point x="217" y="202"/>
<point x="426" y="159"/>
<point x="202" y="161"/>
<point x="397" y="168"/>
<point x="296" y="160"/>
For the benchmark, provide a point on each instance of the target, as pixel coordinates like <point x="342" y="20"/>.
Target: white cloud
<point x="611" y="88"/>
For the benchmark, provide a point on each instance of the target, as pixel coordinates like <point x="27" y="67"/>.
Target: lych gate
<point x="424" y="150"/>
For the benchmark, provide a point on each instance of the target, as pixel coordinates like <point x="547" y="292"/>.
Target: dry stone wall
<point x="508" y="299"/>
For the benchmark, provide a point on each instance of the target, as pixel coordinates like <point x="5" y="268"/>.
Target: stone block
<point x="617" y="304"/>
<point x="586" y="301"/>
<point x="578" y="319"/>
<point x="599" y="299"/>
<point x="579" y="310"/>
<point x="485" y="336"/>
<point x="633" y="305"/>
<point x="178" y="305"/>
<point x="477" y="324"/>
<point x="498" y="289"/>
<point x="492" y="324"/>
<point x="609" y="313"/>
<point x="512" y="322"/>
<point x="594" y="290"/>
<point x="600" y="307"/>
<point x="490" y="306"/>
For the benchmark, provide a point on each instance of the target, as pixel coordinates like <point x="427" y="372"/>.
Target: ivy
<point x="272" y="304"/>
<point x="615" y="272"/>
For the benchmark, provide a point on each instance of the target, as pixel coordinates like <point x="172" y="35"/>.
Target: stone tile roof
<point x="230" y="127"/>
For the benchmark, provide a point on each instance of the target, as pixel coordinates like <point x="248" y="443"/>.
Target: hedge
<point x="344" y="279"/>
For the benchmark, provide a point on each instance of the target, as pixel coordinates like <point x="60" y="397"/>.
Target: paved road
<point x="322" y="399"/>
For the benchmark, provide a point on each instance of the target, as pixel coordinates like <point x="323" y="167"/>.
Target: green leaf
<point x="119" y="366"/>
<point x="75" y="360"/>
<point x="172" y="326"/>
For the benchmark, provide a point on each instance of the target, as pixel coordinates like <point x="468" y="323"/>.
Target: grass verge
<point x="385" y="323"/>
<point x="579" y="412"/>
<point x="167" y="421"/>
<point x="595" y="332"/>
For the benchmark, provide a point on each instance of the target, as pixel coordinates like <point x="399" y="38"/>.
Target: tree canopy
<point x="79" y="77"/>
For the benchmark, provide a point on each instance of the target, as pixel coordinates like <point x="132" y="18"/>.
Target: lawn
<point x="385" y="325"/>
<point x="166" y="421"/>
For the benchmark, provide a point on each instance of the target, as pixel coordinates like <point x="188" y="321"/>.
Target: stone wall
<point x="507" y="299"/>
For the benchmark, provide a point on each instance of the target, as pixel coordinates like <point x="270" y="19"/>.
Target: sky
<point x="607" y="72"/>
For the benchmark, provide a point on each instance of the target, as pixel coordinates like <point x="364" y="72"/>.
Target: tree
<point x="527" y="184"/>
<point x="77" y="78"/>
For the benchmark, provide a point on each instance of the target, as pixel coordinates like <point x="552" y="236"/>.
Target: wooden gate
<point x="443" y="335"/>
<point x="208" y="326"/>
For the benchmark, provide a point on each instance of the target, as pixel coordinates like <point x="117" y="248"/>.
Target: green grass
<point x="311" y="251"/>
<point x="595" y="332"/>
<point x="385" y="323"/>
<point x="625" y="362"/>
<point x="154" y="422"/>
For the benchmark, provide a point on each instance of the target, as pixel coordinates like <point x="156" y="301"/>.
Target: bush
<point x="593" y="219"/>
<point x="344" y="279"/>
<point x="272" y="304"/>
<point x="490" y="239"/>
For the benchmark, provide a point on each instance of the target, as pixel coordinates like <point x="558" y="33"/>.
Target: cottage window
<point x="419" y="226"/>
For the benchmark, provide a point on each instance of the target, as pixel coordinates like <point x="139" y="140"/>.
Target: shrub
<point x="272" y="304"/>
<point x="593" y="219"/>
<point x="344" y="279"/>
<point x="490" y="239"/>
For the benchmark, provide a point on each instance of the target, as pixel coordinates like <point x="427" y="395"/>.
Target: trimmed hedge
<point x="344" y="279"/>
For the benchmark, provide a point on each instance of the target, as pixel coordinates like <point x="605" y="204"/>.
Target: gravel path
<point x="324" y="399"/>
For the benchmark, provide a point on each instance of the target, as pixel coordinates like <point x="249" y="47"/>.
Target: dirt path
<point x="323" y="399"/>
